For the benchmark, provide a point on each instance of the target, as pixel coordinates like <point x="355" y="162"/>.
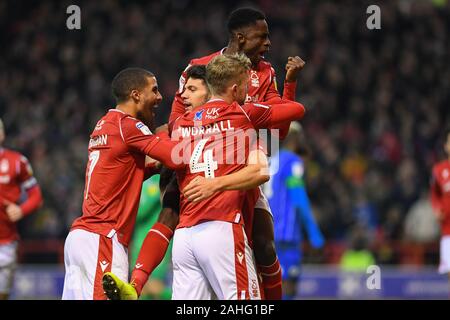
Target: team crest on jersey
<point x="445" y="174"/>
<point x="4" y="166"/>
<point x="198" y="115"/>
<point x="254" y="78"/>
<point x="144" y="129"/>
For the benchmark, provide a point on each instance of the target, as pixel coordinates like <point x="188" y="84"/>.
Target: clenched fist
<point x="293" y="66"/>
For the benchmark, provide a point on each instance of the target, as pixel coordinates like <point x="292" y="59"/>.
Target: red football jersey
<point x="214" y="144"/>
<point x="262" y="86"/>
<point x="15" y="175"/>
<point x="115" y="172"/>
<point x="440" y="193"/>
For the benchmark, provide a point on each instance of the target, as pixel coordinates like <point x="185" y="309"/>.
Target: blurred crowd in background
<point x="377" y="100"/>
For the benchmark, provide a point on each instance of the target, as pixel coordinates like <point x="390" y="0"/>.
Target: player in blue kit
<point x="291" y="208"/>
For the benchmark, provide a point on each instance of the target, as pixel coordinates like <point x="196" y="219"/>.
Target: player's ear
<point x="134" y="94"/>
<point x="234" y="90"/>
<point x="240" y="37"/>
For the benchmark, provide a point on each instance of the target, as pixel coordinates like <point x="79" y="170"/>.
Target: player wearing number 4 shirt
<point x="115" y="171"/>
<point x="211" y="254"/>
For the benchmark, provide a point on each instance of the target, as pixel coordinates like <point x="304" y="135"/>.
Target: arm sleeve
<point x="273" y="97"/>
<point x="29" y="183"/>
<point x="272" y="117"/>
<point x="272" y="94"/>
<point x="300" y="200"/>
<point x="33" y="202"/>
<point x="151" y="168"/>
<point x="157" y="146"/>
<point x="178" y="108"/>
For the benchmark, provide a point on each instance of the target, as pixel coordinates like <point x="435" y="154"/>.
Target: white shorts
<point x="87" y="256"/>
<point x="444" y="265"/>
<point x="213" y="260"/>
<point x="263" y="203"/>
<point x="8" y="263"/>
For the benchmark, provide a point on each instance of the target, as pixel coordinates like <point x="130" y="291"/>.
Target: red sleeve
<point x="272" y="94"/>
<point x="289" y="90"/>
<point x="139" y="138"/>
<point x="33" y="202"/>
<point x="275" y="116"/>
<point x="25" y="176"/>
<point x="273" y="97"/>
<point x="151" y="168"/>
<point x="178" y="108"/>
<point x="29" y="183"/>
<point x="435" y="193"/>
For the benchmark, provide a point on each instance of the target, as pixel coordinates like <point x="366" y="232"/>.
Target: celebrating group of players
<point x="212" y="158"/>
<point x="212" y="206"/>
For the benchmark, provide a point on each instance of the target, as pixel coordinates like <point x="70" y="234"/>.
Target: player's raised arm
<point x="293" y="67"/>
<point x="274" y="116"/>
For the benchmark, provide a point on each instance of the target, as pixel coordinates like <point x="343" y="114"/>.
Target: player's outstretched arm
<point x="254" y="174"/>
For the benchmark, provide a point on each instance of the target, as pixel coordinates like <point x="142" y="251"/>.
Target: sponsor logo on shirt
<point x="144" y="129"/>
<point x="254" y="98"/>
<point x="198" y="115"/>
<point x="212" y="113"/>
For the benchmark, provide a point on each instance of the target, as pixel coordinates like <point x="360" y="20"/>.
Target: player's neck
<point x="227" y="98"/>
<point x="127" y="107"/>
<point x="232" y="48"/>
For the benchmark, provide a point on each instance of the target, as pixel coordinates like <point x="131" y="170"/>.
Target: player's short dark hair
<point x="127" y="80"/>
<point x="243" y="17"/>
<point x="196" y="71"/>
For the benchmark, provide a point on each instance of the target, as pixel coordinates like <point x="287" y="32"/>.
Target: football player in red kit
<point x="248" y="34"/>
<point x="118" y="147"/>
<point x="211" y="254"/>
<point x="191" y="215"/>
<point x="440" y="200"/>
<point x="15" y="175"/>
